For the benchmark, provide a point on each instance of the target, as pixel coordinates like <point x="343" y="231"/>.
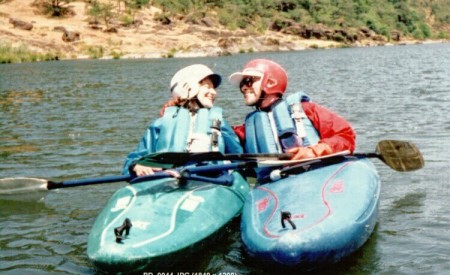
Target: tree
<point x="56" y="8"/>
<point x="133" y="6"/>
<point x="102" y="11"/>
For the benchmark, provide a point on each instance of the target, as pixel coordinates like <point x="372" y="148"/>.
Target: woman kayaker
<point x="294" y="124"/>
<point x="189" y="122"/>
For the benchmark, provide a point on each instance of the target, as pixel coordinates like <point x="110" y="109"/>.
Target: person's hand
<point x="186" y="89"/>
<point x="142" y="170"/>
<point x="174" y="173"/>
<point x="320" y="149"/>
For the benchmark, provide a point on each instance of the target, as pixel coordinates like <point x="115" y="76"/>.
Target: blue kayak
<point x="313" y="218"/>
<point x="168" y="222"/>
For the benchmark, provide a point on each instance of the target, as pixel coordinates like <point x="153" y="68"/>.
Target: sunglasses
<point x="248" y="81"/>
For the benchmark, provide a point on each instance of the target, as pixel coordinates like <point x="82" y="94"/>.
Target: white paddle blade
<point x="12" y="186"/>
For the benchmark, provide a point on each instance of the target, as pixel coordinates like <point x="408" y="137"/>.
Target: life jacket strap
<point x="215" y="134"/>
<point x="297" y="114"/>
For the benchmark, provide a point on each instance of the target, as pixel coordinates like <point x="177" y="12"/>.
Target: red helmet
<point x="268" y="70"/>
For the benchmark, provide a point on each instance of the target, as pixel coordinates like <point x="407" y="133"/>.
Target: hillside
<point x="76" y="37"/>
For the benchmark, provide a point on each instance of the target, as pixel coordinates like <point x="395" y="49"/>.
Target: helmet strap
<point x="267" y="100"/>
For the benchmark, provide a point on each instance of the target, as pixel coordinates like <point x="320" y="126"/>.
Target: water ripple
<point x="78" y="119"/>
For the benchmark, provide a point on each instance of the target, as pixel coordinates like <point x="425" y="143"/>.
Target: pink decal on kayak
<point x="298" y="216"/>
<point x="338" y="187"/>
<point x="323" y="195"/>
<point x="275" y="198"/>
<point x="262" y="204"/>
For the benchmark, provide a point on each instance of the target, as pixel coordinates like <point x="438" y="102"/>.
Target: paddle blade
<point x="22" y="189"/>
<point x="400" y="155"/>
<point x="175" y="159"/>
<point x="11" y="186"/>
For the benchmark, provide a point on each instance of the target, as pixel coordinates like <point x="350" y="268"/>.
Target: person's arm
<point x="336" y="133"/>
<point x="145" y="147"/>
<point x="239" y="130"/>
<point x="333" y="129"/>
<point x="232" y="144"/>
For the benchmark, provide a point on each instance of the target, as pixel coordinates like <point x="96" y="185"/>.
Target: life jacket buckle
<point x="215" y="133"/>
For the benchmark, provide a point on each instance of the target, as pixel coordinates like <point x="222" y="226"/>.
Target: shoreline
<point x="212" y="51"/>
<point x="75" y="39"/>
<point x="194" y="54"/>
<point x="200" y="54"/>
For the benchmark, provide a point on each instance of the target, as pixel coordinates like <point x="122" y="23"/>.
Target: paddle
<point x="176" y="159"/>
<point x="399" y="155"/>
<point x="21" y="185"/>
<point x="32" y="186"/>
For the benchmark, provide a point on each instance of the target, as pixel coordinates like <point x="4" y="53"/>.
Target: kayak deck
<point x="333" y="210"/>
<point x="166" y="218"/>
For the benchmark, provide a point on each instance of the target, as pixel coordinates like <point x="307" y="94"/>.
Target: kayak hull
<point x="333" y="208"/>
<point x="169" y="222"/>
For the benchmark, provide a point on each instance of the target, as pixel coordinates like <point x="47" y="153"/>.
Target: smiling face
<point x="207" y="93"/>
<point x="250" y="87"/>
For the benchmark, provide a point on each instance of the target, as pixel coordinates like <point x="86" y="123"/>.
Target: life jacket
<point x="284" y="127"/>
<point x="179" y="130"/>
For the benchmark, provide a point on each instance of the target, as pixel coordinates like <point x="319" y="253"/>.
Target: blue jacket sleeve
<point x="232" y="144"/>
<point x="145" y="146"/>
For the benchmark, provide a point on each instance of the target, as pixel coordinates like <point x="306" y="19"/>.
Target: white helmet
<point x="185" y="82"/>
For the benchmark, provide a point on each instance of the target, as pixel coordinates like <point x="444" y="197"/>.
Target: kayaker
<point x="189" y="122"/>
<point x="286" y="125"/>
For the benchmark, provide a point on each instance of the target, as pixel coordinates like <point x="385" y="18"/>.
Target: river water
<point x="78" y="119"/>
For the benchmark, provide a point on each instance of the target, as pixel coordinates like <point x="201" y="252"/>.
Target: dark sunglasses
<point x="248" y="81"/>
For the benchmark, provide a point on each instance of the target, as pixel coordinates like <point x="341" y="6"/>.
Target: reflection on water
<point x="410" y="201"/>
<point x="78" y="119"/>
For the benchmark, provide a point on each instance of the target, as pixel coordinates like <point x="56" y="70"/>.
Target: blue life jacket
<point x="277" y="130"/>
<point x="172" y="133"/>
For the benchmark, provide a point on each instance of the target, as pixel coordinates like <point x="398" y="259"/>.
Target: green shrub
<point x="170" y="54"/>
<point x="127" y="20"/>
<point x="94" y="52"/>
<point x="426" y="31"/>
<point x="116" y="55"/>
<point x="442" y="35"/>
<point x="9" y="54"/>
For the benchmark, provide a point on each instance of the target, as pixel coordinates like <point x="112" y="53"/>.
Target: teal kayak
<point x="314" y="218"/>
<point x="166" y="222"/>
